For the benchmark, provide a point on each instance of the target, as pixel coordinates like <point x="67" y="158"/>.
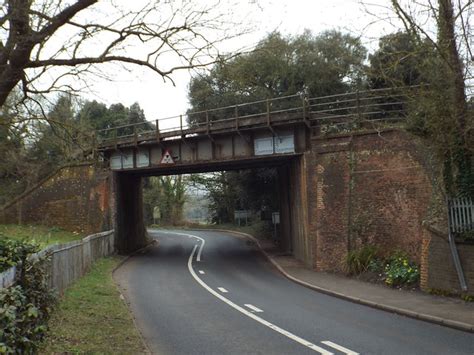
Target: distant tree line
<point x="32" y="149"/>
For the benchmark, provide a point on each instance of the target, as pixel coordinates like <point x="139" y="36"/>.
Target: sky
<point x="161" y="98"/>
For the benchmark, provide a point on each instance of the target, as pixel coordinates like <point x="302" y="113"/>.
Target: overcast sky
<point x="161" y="99"/>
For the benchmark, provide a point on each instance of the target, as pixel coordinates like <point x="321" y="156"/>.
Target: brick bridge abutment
<point x="129" y="225"/>
<point x="343" y="192"/>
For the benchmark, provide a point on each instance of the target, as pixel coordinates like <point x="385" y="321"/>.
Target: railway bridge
<point x="291" y="134"/>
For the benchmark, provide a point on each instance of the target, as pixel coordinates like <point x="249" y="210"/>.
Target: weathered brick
<point x="370" y="189"/>
<point x="75" y="198"/>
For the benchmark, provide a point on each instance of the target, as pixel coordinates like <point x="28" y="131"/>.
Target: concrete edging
<point x="401" y="311"/>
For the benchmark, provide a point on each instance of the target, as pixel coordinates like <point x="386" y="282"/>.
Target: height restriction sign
<point x="167" y="158"/>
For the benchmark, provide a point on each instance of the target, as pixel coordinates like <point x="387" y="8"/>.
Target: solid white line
<point x="253" y="308"/>
<point x="200" y="248"/>
<point x="201" y="272"/>
<point x="250" y="314"/>
<point x="222" y="289"/>
<point x="203" y="242"/>
<point x="339" y="347"/>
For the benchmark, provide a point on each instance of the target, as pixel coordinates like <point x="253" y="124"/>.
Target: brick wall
<point x="372" y="188"/>
<point x="75" y="198"/>
<point x="332" y="201"/>
<point x="437" y="267"/>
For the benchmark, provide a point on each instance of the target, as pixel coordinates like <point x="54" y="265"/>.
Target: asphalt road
<point x="210" y="293"/>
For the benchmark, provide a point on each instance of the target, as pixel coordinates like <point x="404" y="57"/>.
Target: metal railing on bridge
<point x="460" y="225"/>
<point x="346" y="111"/>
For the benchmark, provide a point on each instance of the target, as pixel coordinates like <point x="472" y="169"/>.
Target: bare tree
<point x="55" y="45"/>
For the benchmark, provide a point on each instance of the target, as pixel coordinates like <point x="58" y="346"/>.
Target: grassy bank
<point x="39" y="234"/>
<point x="91" y="317"/>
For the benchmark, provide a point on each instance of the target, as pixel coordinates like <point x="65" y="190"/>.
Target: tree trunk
<point x="453" y="68"/>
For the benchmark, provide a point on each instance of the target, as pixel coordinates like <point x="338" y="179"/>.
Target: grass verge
<point x="91" y="317"/>
<point x="42" y="235"/>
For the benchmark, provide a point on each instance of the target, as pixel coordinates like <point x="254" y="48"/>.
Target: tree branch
<point x="62" y="18"/>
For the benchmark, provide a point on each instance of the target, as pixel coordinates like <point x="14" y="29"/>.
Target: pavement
<point x="203" y="292"/>
<point x="447" y="311"/>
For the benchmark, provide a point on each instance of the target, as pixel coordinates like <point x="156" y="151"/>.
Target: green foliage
<point x="376" y="265"/>
<point x="167" y="194"/>
<point x="26" y="306"/>
<point x="12" y="252"/>
<point x="316" y="65"/>
<point x="466" y="236"/>
<point x="31" y="151"/>
<point x="399" y="270"/>
<point x="400" y="60"/>
<point x="437" y="110"/>
<point x="222" y="190"/>
<point x="360" y="260"/>
<point x="14" y="161"/>
<point x="254" y="190"/>
<point x="37" y="234"/>
<point x="396" y="270"/>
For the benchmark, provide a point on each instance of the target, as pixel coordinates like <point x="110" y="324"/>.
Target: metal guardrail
<point x="346" y="109"/>
<point x="461" y="214"/>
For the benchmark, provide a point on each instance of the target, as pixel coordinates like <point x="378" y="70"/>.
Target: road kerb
<point x="401" y="311"/>
<point x="127" y="257"/>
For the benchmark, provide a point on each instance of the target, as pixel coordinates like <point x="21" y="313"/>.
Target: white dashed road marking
<point x="201" y="272"/>
<point x="339" y="347"/>
<point x="222" y="289"/>
<point x="253" y="308"/>
<point x="252" y="315"/>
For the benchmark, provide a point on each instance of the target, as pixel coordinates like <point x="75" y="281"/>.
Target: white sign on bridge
<point x="274" y="145"/>
<point x="167" y="158"/>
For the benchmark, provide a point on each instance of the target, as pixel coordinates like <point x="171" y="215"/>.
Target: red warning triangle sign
<point x="167" y="158"/>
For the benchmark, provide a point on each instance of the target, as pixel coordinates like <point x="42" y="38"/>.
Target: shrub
<point x="24" y="307"/>
<point x="376" y="265"/>
<point x="466" y="236"/>
<point x="399" y="270"/>
<point x="13" y="252"/>
<point x="359" y="260"/>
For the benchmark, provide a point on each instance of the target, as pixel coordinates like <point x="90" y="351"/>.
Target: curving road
<point x="213" y="293"/>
